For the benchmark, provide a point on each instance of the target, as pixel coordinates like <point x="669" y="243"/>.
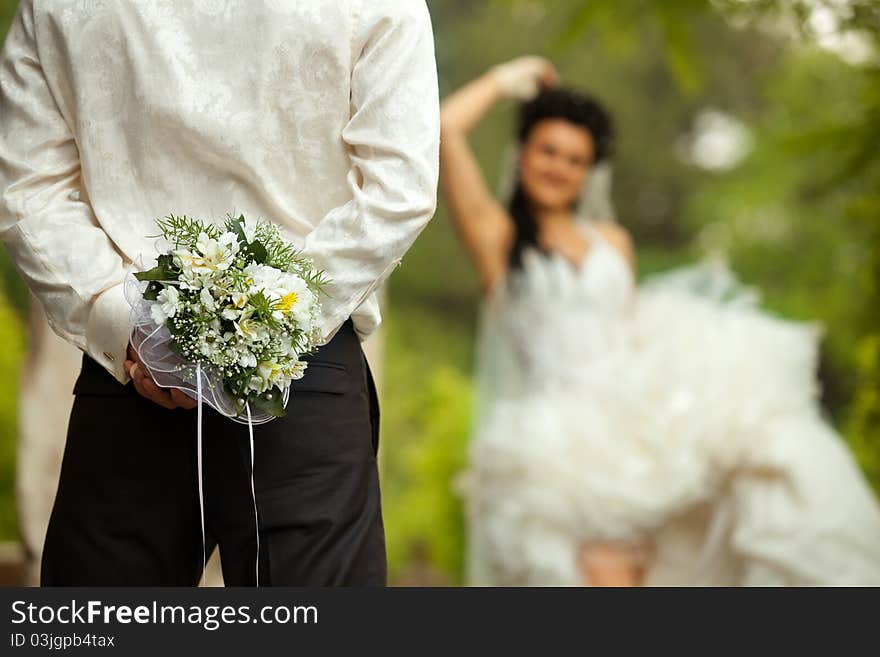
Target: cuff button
<point x="109" y="356"/>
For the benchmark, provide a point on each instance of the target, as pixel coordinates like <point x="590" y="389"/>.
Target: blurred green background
<point x="747" y="127"/>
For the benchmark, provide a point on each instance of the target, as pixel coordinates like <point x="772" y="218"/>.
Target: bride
<point x="668" y="435"/>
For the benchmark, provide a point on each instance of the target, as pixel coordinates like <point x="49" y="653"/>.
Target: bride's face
<point x="555" y="162"/>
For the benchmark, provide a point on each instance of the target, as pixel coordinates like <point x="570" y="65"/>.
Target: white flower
<point x="247" y="359"/>
<point x="167" y="304"/>
<point x="216" y="255"/>
<point x="249" y="227"/>
<point x="211" y="346"/>
<point x="265" y="368"/>
<point x="191" y="281"/>
<point x="193" y="274"/>
<point x="156" y="313"/>
<point x="230" y="241"/>
<point x="274" y="373"/>
<point x="184" y="258"/>
<point x="207" y="300"/>
<point x="211" y="256"/>
<point x="252" y="330"/>
<point x="257" y="384"/>
<point x="298" y="369"/>
<point x="263" y="278"/>
<point x="230" y="313"/>
<point x="237" y="308"/>
<point x="302" y="309"/>
<point x="288" y="292"/>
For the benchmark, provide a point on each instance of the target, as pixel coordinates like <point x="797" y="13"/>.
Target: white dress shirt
<point x="322" y="116"/>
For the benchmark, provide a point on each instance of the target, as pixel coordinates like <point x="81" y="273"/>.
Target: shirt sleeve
<point x="52" y="236"/>
<point x="393" y="136"/>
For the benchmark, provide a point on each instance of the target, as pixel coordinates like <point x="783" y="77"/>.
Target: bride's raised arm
<point x="482" y="223"/>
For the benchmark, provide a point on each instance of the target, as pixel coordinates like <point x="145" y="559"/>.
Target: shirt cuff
<point x="109" y="331"/>
<point x="335" y="313"/>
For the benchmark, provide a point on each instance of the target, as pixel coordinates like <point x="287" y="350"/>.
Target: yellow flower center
<point x="287" y="302"/>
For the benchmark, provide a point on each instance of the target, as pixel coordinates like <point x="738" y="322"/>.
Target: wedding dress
<point x="677" y="413"/>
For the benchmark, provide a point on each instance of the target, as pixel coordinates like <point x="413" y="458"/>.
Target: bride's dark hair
<point x="557" y="103"/>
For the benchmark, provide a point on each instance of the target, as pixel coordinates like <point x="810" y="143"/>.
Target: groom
<point x="321" y="116"/>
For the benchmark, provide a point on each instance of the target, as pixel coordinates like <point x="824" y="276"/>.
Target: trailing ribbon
<point x="254" y="494"/>
<point x="201" y="490"/>
<point x="199" y="461"/>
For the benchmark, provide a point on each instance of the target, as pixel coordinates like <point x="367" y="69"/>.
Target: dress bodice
<point x="602" y="284"/>
<point x="541" y="324"/>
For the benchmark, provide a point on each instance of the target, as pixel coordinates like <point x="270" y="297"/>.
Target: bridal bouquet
<point x="227" y="311"/>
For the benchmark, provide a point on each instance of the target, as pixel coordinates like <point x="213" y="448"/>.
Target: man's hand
<point x="142" y="382"/>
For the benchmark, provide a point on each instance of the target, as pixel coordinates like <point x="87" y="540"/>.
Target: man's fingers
<point x="156" y="393"/>
<point x="146" y="387"/>
<point x="136" y="378"/>
<point x="137" y="373"/>
<point x="182" y="399"/>
<point x="170" y="399"/>
<point x="141" y="385"/>
<point x="140" y="389"/>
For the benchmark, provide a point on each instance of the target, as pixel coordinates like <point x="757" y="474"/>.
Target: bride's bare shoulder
<point x="619" y="237"/>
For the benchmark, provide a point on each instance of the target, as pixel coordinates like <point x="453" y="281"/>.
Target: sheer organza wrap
<point x="153" y="346"/>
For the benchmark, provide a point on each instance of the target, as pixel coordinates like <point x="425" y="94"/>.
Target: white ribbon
<point x="199" y="461"/>
<point x="201" y="491"/>
<point x="254" y="494"/>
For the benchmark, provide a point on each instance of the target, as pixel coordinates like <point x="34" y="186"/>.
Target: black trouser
<point x="127" y="509"/>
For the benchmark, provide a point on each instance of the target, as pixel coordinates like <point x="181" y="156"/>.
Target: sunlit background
<point x="748" y="129"/>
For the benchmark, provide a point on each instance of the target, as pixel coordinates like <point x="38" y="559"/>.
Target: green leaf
<point x="166" y="260"/>
<point x="164" y="271"/>
<point x="152" y="291"/>
<point x="255" y="250"/>
<point x="271" y="402"/>
<point x="258" y="252"/>
<point x="237" y="226"/>
<point x="156" y="274"/>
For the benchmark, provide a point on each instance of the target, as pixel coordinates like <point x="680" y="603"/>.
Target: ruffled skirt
<point x="690" y="401"/>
